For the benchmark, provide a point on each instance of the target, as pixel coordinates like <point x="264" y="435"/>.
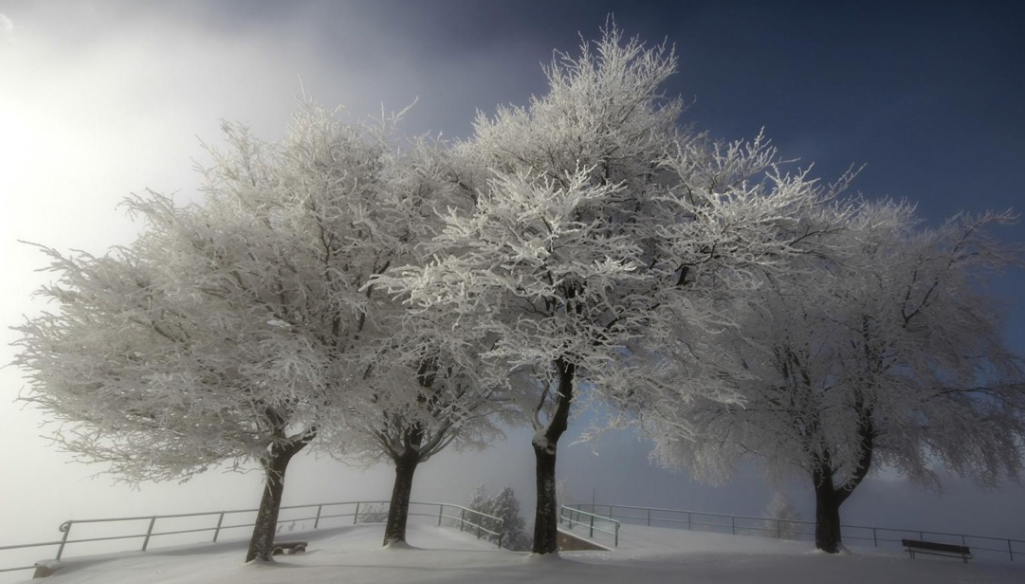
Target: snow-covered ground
<point x="438" y="554"/>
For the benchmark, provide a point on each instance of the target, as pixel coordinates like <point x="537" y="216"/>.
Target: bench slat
<point x="936" y="549"/>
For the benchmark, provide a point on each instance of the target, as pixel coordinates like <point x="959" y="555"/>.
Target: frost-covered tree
<point x="419" y="392"/>
<point x="241" y="327"/>
<point x="882" y="350"/>
<point x="412" y="414"/>
<point x="594" y="218"/>
<point x="147" y="375"/>
<point x="506" y="507"/>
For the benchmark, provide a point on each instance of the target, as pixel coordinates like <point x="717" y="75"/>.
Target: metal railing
<point x="572" y="516"/>
<point x="468" y="525"/>
<point x="985" y="547"/>
<point x="467" y="520"/>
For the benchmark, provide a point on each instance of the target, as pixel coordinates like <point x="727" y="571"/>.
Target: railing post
<point x="500" y="541"/>
<point x="462" y="518"/>
<point x="591" y="532"/>
<point x="441" y="510"/>
<point x="149" y="532"/>
<point x="66" y="528"/>
<point x="478" y="527"/>
<point x="355" y="516"/>
<point x="689" y="528"/>
<point x="617" y="534"/>
<point x="1010" y="550"/>
<point x="875" y="538"/>
<point x="316" y="522"/>
<point x="217" y="531"/>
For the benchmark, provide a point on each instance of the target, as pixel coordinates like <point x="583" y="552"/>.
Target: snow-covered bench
<point x="936" y="549"/>
<point x="288" y="547"/>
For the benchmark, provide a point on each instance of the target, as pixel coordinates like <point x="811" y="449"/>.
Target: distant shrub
<point x="505" y="506"/>
<point x="785" y="519"/>
<point x="372" y="513"/>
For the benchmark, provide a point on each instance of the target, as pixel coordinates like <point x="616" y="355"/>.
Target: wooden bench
<point x="288" y="548"/>
<point x="936" y="549"/>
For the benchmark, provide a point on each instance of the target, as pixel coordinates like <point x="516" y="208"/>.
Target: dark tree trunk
<point x="274" y="466"/>
<point x="546" y="513"/>
<point x="827" y="513"/>
<point x="829" y="498"/>
<point x="398" y="510"/>
<point x="410" y="457"/>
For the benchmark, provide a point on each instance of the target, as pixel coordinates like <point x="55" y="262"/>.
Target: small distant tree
<point x="506" y="507"/>
<point x="372" y="513"/>
<point x="785" y="518"/>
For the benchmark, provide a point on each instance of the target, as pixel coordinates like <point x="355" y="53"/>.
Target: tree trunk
<point x="829" y="497"/>
<point x="261" y="544"/>
<point x="546" y="516"/>
<point x="827" y="516"/>
<point x="398" y="510"/>
<point x="546" y="513"/>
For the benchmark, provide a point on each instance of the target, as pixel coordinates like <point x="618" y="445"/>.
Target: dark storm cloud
<point x="925" y="95"/>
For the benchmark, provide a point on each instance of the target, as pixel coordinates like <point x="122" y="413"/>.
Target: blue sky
<point x="101" y="99"/>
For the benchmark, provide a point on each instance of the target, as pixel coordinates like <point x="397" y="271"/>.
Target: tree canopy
<point x="882" y="349"/>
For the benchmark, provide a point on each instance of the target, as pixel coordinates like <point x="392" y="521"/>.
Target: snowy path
<point x="442" y="555"/>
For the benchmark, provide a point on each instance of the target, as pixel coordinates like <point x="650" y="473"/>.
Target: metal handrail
<point x="590" y="523"/>
<point x="472" y="524"/>
<point x="463" y="522"/>
<point x="878" y="534"/>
